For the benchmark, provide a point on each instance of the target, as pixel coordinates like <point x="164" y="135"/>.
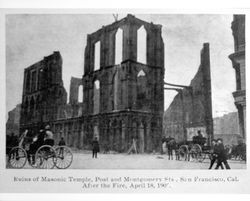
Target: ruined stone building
<point x="238" y="61"/>
<point x="43" y="91"/>
<point x="191" y="109"/>
<point x="12" y="124"/>
<point x="122" y="87"/>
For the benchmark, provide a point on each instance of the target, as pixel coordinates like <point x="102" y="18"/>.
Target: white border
<point x="176" y="6"/>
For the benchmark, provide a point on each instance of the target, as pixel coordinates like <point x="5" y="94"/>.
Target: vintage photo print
<point x="121" y="102"/>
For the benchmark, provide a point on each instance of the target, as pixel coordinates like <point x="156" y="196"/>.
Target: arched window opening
<point x="96" y="132"/>
<point x="115" y="96"/>
<point x="142" y="45"/>
<point x="80" y="94"/>
<point x="142" y="99"/>
<point x="118" y="46"/>
<point x="97" y="55"/>
<point x="96" y="97"/>
<point x="141" y="73"/>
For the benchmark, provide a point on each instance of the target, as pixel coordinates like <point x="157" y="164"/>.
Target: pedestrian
<point x="62" y="142"/>
<point x="170" y="146"/>
<point x="222" y="156"/>
<point x="95" y="147"/>
<point x="214" y="154"/>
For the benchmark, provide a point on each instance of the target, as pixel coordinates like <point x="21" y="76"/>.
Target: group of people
<point x="219" y="155"/>
<point x="44" y="137"/>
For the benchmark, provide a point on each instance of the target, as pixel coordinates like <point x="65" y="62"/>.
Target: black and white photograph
<point x="123" y="101"/>
<point x="125" y="91"/>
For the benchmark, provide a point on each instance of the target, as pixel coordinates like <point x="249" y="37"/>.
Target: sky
<point x="30" y="37"/>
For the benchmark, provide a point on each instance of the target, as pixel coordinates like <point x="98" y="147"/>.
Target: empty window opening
<point x="141" y="73"/>
<point x="80" y="94"/>
<point x="115" y="91"/>
<point x="96" y="132"/>
<point x="97" y="55"/>
<point x="96" y="97"/>
<point x="142" y="99"/>
<point x="118" y="46"/>
<point x="142" y="45"/>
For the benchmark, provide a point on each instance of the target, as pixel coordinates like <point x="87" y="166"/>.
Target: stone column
<point x="123" y="134"/>
<point x="141" y="138"/>
<point x="149" y="138"/>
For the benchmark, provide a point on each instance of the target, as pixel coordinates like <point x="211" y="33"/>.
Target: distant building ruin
<point x="191" y="109"/>
<point x="12" y="124"/>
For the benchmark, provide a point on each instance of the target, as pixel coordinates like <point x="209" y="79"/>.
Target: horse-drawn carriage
<point x="197" y="149"/>
<point x="38" y="155"/>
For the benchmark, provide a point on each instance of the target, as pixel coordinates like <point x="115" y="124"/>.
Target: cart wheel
<point x="64" y="157"/>
<point x="33" y="162"/>
<point x="17" y="157"/>
<point x="183" y="152"/>
<point x="45" y="157"/>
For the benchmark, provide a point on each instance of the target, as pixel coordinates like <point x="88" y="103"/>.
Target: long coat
<point x="95" y="146"/>
<point x="222" y="155"/>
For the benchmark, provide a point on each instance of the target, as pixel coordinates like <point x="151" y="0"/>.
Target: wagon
<point x="195" y="150"/>
<point x="45" y="157"/>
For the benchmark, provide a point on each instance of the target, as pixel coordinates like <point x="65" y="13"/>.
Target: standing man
<point x="170" y="146"/>
<point x="95" y="147"/>
<point x="222" y="156"/>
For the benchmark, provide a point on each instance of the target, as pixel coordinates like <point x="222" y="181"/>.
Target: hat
<point x="47" y="127"/>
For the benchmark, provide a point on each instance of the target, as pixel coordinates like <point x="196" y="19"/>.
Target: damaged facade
<point x="123" y="93"/>
<point x="191" y="109"/>
<point x="238" y="61"/>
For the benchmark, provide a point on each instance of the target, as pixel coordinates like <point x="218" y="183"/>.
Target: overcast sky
<point x="31" y="37"/>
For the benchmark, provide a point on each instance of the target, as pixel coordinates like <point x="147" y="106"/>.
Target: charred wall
<point x="191" y="109"/>
<point x="126" y="94"/>
<point x="122" y="98"/>
<point x="43" y="92"/>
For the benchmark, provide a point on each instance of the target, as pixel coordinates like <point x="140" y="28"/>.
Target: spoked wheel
<point x="64" y="157"/>
<point x="32" y="161"/>
<point x="196" y="153"/>
<point x="183" y="152"/>
<point x="45" y="157"/>
<point x="17" y="157"/>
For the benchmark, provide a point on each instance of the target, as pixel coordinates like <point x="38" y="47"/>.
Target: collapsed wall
<point x="191" y="109"/>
